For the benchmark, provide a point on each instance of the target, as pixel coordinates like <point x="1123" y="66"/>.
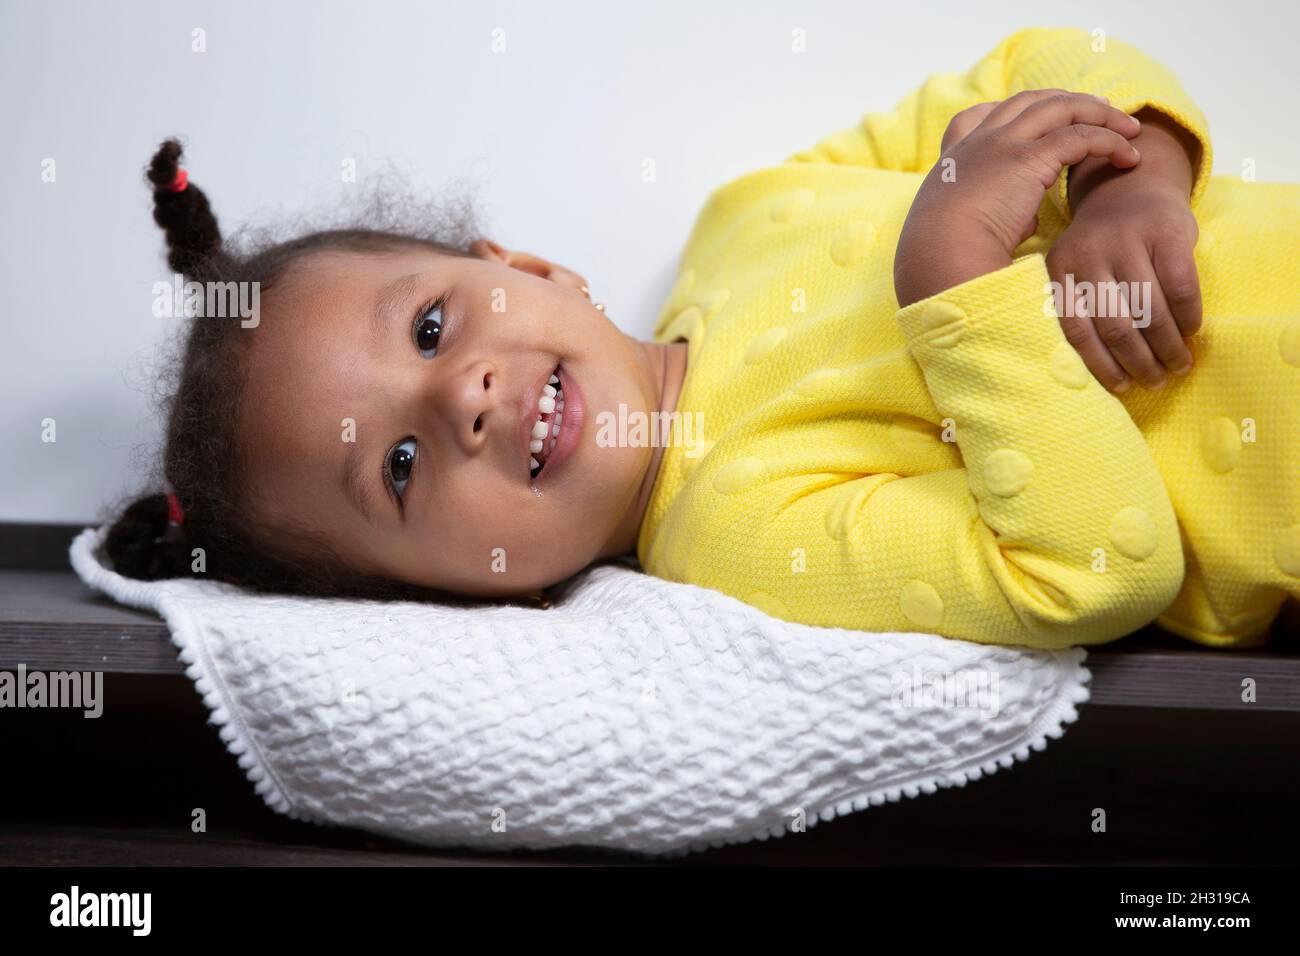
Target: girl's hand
<point x="1139" y="245"/>
<point x="1133" y="231"/>
<point x="980" y="201"/>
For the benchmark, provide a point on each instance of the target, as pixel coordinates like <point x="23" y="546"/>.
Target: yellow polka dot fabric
<point x="953" y="467"/>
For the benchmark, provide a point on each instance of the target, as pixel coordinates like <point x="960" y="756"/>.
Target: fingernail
<point x="1122" y="386"/>
<point x="1184" y="370"/>
<point x="1158" y="385"/>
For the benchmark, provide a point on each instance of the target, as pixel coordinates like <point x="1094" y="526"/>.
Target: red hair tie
<point x="174" y="513"/>
<point x="180" y="182"/>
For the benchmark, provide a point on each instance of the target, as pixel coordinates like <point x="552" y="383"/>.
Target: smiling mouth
<point x="550" y="415"/>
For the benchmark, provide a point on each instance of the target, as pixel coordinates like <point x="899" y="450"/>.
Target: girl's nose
<point x="462" y="404"/>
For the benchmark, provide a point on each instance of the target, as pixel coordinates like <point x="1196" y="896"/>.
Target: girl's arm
<point x="1055" y="529"/>
<point x="1138" y="229"/>
<point x="1075" y="525"/>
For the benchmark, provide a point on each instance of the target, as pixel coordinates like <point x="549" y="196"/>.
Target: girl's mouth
<point x="558" y="419"/>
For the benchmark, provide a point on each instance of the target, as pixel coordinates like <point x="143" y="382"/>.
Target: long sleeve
<point x="907" y="139"/>
<point x="1054" y="530"/>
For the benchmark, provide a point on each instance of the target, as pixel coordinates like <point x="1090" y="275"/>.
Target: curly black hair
<point x="201" y="457"/>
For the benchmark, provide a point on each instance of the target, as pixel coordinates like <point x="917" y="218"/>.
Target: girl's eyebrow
<point x="354" y="483"/>
<point x="390" y="301"/>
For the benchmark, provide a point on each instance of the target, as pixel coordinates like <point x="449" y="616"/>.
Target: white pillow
<point x="636" y="714"/>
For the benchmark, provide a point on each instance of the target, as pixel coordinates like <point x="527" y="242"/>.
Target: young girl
<point x="902" y="423"/>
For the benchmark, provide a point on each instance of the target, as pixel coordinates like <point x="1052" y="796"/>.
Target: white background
<point x="552" y="134"/>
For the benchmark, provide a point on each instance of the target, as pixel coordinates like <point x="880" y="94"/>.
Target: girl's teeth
<point x="550" y="402"/>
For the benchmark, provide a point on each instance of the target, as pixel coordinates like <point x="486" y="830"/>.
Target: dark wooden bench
<point x="1155" y="720"/>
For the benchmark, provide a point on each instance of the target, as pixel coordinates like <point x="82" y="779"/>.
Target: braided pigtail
<point x="144" y="544"/>
<point x="182" y="210"/>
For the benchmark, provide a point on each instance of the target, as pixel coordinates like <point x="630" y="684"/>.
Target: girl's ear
<point x="527" y="262"/>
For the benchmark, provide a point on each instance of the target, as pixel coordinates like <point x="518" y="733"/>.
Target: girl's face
<point x="391" y="402"/>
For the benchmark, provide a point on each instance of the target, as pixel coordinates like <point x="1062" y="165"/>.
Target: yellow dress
<point x="953" y="467"/>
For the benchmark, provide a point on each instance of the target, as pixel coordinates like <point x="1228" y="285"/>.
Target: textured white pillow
<point x="637" y="714"/>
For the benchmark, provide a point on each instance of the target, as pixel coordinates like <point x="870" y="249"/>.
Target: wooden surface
<point x="54" y="845"/>
<point x="49" y="620"/>
<point x="36" y="547"/>
<point x="1156" y="669"/>
<point x="1177" y="786"/>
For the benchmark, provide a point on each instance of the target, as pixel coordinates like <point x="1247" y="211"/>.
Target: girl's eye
<point x="428" y="328"/>
<point x="398" y="466"/>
